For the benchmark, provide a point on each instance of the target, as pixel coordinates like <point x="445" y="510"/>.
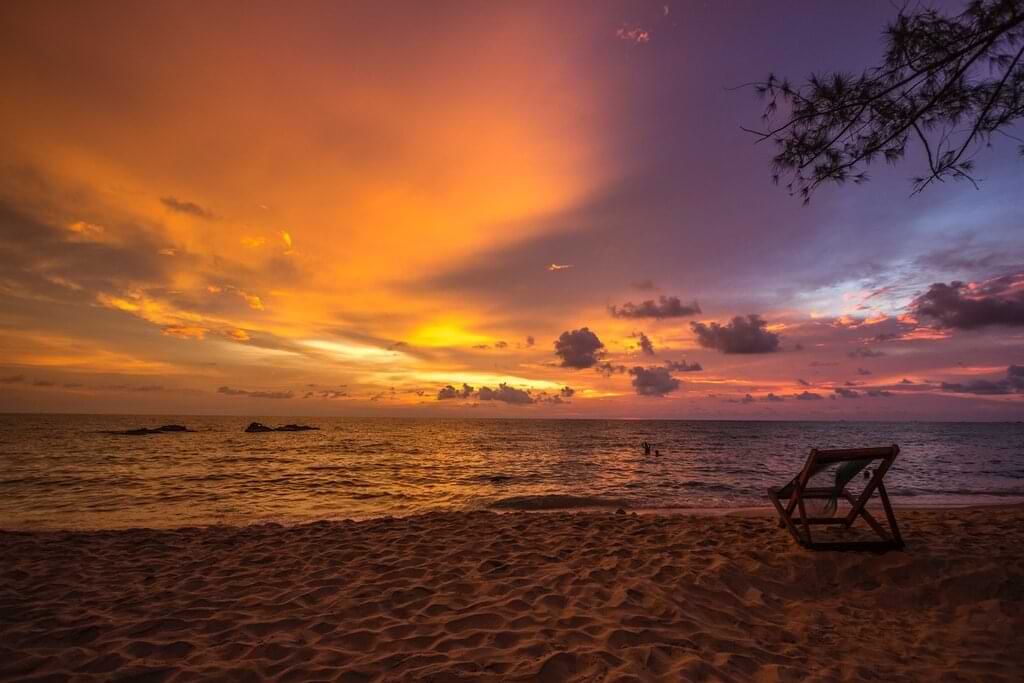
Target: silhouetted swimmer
<point x="657" y="452"/>
<point x="647" y="448"/>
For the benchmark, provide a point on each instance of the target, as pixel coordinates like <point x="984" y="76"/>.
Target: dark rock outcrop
<point x="141" y="431"/>
<point x="255" y="427"/>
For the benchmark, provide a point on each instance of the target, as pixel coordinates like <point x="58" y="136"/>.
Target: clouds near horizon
<point x="653" y="381"/>
<point x="664" y="307"/>
<point x="579" y="349"/>
<point x="739" y="335"/>
<point x="153" y="234"/>
<point x="970" y="306"/>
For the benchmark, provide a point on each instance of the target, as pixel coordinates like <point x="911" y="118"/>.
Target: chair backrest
<point x="846" y="454"/>
<point x="818" y="460"/>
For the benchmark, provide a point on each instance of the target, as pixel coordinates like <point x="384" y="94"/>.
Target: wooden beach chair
<point x="790" y="498"/>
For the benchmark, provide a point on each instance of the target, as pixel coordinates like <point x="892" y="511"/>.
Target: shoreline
<point x="742" y="511"/>
<point x="518" y="596"/>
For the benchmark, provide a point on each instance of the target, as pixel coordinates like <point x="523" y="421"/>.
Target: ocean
<point x="66" y="472"/>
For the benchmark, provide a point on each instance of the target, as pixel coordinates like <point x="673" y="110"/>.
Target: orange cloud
<point x="185" y="331"/>
<point x="254" y="301"/>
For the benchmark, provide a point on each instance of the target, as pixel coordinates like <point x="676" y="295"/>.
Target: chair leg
<point x="876" y="479"/>
<point x="890" y="515"/>
<point x="803" y="517"/>
<point x="784" y="519"/>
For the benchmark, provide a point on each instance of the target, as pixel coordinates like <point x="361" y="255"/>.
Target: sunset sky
<point x="529" y="209"/>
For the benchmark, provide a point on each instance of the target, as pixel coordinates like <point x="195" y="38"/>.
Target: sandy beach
<point x="516" y="597"/>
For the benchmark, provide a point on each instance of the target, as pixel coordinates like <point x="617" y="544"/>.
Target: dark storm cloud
<point x="961" y="306"/>
<point x="847" y="393"/>
<point x="579" y="348"/>
<point x="608" y="369"/>
<point x="653" y="381"/>
<point x="329" y="394"/>
<point x="645" y="344"/>
<point x="979" y="386"/>
<point x="144" y="388"/>
<point x="450" y="392"/>
<point x="682" y="366"/>
<point x="39" y="255"/>
<point x="228" y="391"/>
<point x="665" y="307"/>
<point x="1013" y="383"/>
<point x="505" y="394"/>
<point x="740" y="335"/>
<point x="865" y="352"/>
<point x="807" y="396"/>
<point x="563" y="396"/>
<point x="191" y="208"/>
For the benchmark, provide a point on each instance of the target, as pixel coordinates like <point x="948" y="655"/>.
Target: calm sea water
<point x="63" y="471"/>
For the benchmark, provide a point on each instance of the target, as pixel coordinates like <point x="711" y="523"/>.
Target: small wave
<point x="1005" y="493"/>
<point x="369" y="496"/>
<point x="706" y="486"/>
<point x="556" y="502"/>
<point x="493" y="478"/>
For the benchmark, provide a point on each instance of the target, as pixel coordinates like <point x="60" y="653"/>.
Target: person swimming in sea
<point x="647" y="448"/>
<point x="657" y="453"/>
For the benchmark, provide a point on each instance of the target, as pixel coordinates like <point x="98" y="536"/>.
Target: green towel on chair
<point x="844" y="475"/>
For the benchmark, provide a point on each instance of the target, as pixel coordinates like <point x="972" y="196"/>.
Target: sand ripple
<point x="515" y="597"/>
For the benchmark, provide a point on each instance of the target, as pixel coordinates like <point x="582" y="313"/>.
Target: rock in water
<point x="260" y="427"/>
<point x="141" y="431"/>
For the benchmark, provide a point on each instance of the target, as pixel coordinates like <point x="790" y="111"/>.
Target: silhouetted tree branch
<point x="946" y="82"/>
